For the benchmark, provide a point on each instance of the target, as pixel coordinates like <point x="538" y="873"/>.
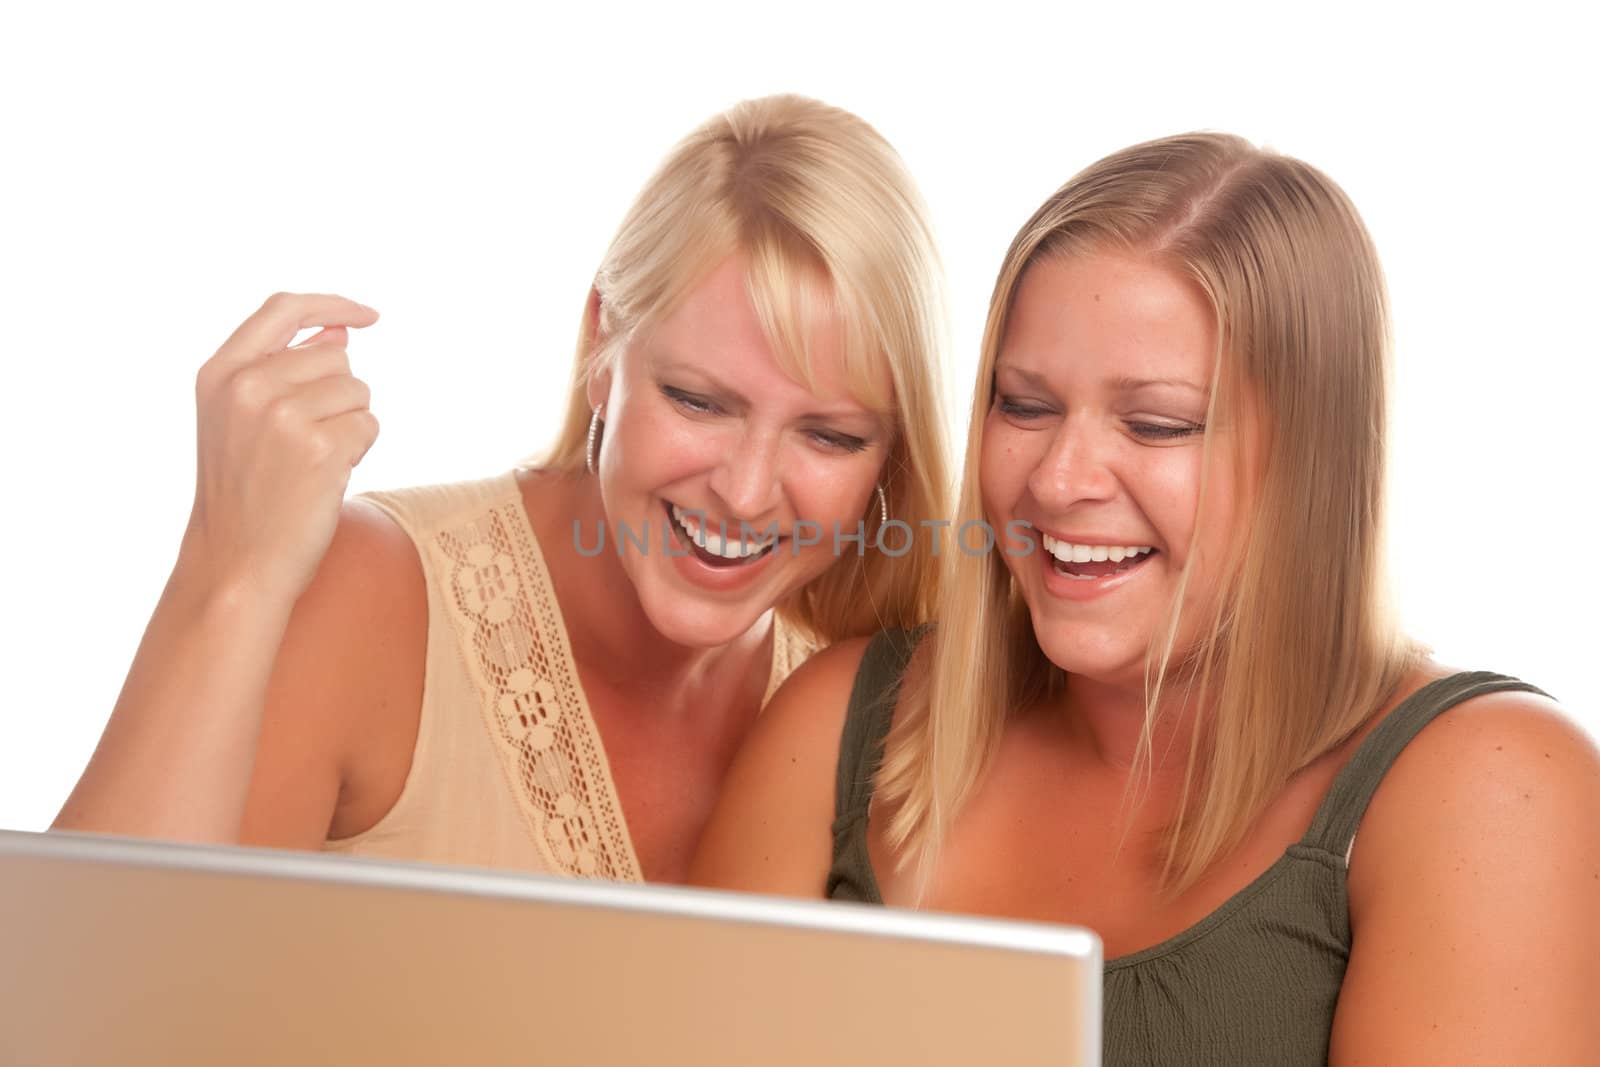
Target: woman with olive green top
<point x="1255" y="981"/>
<point x="1182" y="716"/>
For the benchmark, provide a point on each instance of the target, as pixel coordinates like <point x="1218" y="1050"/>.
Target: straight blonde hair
<point x="826" y="215"/>
<point x="1302" y="647"/>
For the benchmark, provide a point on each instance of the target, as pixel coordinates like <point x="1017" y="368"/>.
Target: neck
<point x="1105" y="720"/>
<point x="606" y="624"/>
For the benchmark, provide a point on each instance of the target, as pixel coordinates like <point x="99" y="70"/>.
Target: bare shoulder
<point x="1508" y="758"/>
<point x="802" y="725"/>
<point x="345" y="696"/>
<point x="371" y="564"/>
<point x="1472" y="888"/>
<point x="368" y="599"/>
<point x="809" y="707"/>
<point x="771" y="831"/>
<point x="1505" y="769"/>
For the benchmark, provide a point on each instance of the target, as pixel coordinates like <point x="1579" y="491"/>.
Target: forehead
<point x="741" y="333"/>
<point x="1110" y="317"/>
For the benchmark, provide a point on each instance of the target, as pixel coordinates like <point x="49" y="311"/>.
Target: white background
<point x="163" y="169"/>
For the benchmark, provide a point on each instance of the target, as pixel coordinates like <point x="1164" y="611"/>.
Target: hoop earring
<point x="594" y="436"/>
<point x="883" y="507"/>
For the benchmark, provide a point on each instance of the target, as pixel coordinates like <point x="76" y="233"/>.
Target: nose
<point x="1075" y="469"/>
<point x="748" y="478"/>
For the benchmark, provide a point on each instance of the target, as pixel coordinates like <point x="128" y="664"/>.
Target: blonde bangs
<point x="796" y="301"/>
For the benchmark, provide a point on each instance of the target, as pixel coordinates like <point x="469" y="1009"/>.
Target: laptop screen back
<point x="131" y="953"/>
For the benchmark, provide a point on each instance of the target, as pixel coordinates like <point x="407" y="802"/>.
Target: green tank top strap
<point x="1334" y="826"/>
<point x="866" y="725"/>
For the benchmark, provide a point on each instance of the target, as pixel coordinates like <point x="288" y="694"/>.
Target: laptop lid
<point x="118" y="951"/>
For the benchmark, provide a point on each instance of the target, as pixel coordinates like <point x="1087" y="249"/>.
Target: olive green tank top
<point x="1254" y="982"/>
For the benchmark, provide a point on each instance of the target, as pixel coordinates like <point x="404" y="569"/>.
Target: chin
<point x="702" y="626"/>
<point x="1092" y="653"/>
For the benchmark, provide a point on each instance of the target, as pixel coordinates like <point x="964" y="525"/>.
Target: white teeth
<point x="1067" y="552"/>
<point x="712" y="541"/>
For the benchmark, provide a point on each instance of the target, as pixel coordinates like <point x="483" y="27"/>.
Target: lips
<point x="708" y="544"/>
<point x="1085" y="560"/>
<point x="1072" y="573"/>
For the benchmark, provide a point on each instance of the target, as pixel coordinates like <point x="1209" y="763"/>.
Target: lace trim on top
<point x="503" y="604"/>
<point x="790" y="648"/>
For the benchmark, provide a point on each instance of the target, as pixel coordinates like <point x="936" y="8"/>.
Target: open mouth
<point x="720" y="545"/>
<point x="1091" y="562"/>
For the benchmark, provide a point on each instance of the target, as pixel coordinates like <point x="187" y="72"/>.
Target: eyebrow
<point x="1128" y="385"/>
<point x="1028" y="376"/>
<point x="1122" y="384"/>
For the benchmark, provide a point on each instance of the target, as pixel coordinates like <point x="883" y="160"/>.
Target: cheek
<point x="1219" y="522"/>
<point x="831" y="488"/>
<point x="1212" y="530"/>
<point x="653" y="446"/>
<point x="1169" y="493"/>
<point x="1004" y="464"/>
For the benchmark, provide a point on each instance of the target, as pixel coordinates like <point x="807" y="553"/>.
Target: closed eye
<point x="839" y="442"/>
<point x="1160" y="431"/>
<point x="690" y="402"/>
<point x="1014" y="408"/>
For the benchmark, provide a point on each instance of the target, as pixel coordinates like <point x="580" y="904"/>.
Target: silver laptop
<point x="133" y="953"/>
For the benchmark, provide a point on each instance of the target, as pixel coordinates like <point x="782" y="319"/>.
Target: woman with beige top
<point x="468" y="673"/>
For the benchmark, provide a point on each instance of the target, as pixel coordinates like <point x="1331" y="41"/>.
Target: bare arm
<point x="771" y="831"/>
<point x="174" y="760"/>
<point x="343" y="705"/>
<point x="1475" y="896"/>
<point x="279" y="431"/>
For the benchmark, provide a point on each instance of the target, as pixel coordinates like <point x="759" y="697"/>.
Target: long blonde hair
<point x="825" y="211"/>
<point x="1302" y="646"/>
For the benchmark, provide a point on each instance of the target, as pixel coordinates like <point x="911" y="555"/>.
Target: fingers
<point x="256" y="382"/>
<point x="295" y="366"/>
<point x="337" y="443"/>
<point x="354" y="432"/>
<point x="321" y="399"/>
<point x="303" y="396"/>
<point x="323" y="425"/>
<point x="256" y="386"/>
<point x="284" y="315"/>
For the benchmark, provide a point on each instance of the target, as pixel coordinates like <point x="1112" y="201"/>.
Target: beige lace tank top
<point x="508" y="769"/>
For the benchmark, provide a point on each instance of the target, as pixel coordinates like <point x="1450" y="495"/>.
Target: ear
<point x="598" y="387"/>
<point x="591" y="319"/>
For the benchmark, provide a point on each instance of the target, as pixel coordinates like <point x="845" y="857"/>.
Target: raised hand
<point x="280" y="430"/>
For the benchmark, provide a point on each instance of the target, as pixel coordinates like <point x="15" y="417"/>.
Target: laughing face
<point x="705" y="434"/>
<point x="1094" y="436"/>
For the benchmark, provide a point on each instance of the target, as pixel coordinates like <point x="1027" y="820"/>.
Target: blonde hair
<point x="826" y="213"/>
<point x="1302" y="646"/>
